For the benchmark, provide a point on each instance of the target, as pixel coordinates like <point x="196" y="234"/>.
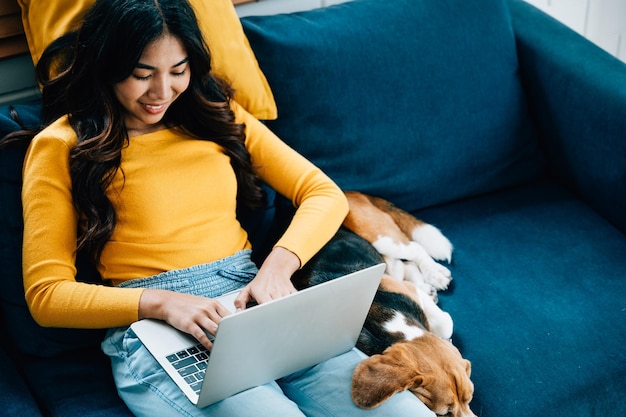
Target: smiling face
<point x="159" y="78"/>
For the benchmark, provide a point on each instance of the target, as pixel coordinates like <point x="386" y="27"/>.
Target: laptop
<point x="265" y="342"/>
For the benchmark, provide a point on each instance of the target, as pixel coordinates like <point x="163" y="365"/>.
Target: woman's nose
<point x="160" y="87"/>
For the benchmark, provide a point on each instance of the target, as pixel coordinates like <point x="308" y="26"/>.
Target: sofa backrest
<point x="415" y="101"/>
<point x="22" y="332"/>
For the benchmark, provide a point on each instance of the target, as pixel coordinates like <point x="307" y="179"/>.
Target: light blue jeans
<point x="321" y="390"/>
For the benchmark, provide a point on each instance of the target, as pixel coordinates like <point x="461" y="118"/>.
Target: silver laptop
<point x="265" y="342"/>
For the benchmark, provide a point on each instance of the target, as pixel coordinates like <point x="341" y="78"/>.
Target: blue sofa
<point x="486" y="118"/>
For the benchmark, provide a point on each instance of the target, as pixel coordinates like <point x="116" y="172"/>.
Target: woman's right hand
<point x="188" y="313"/>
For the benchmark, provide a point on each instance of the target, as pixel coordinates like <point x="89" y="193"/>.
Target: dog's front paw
<point x="413" y="274"/>
<point x="442" y="326"/>
<point x="435" y="274"/>
<point x="433" y="241"/>
<point x="439" y="321"/>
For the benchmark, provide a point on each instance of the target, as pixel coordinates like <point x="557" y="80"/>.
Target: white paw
<point x="395" y="268"/>
<point x="442" y="326"/>
<point x="435" y="274"/>
<point x="433" y="241"/>
<point x="413" y="274"/>
<point x="399" y="256"/>
<point x="440" y="322"/>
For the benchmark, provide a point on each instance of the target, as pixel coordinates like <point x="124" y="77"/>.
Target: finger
<point x="263" y="297"/>
<point x="291" y="290"/>
<point x="206" y="325"/>
<point x="201" y="336"/>
<point x="214" y="314"/>
<point x="222" y="311"/>
<point x="273" y="294"/>
<point x="283" y="292"/>
<point x="217" y="312"/>
<point x="242" y="299"/>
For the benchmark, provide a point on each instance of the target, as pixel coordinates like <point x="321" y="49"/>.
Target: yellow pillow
<point x="233" y="59"/>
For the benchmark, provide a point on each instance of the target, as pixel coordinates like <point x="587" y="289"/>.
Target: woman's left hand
<point x="273" y="280"/>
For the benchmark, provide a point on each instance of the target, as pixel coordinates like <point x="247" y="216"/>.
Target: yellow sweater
<point x="175" y="204"/>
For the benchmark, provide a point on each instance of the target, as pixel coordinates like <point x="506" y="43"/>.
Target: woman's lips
<point x="154" y="108"/>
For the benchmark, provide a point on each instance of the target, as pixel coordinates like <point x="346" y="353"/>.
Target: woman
<point x="142" y="165"/>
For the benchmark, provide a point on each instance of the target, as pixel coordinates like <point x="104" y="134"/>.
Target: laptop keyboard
<point x="191" y="364"/>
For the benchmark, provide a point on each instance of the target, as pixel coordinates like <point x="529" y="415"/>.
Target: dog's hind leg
<point x="376" y="221"/>
<point x="428" y="236"/>
<point x="433" y="241"/>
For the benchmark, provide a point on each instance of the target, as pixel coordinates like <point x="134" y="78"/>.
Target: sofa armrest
<point x="577" y="98"/>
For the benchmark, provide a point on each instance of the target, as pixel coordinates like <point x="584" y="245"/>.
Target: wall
<point x="601" y="21"/>
<point x="266" y="7"/>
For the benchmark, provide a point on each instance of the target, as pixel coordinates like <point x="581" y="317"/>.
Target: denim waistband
<point x="208" y="280"/>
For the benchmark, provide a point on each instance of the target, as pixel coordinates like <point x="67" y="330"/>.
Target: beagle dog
<point x="406" y="335"/>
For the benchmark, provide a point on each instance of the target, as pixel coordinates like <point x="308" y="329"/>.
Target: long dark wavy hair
<point x="77" y="73"/>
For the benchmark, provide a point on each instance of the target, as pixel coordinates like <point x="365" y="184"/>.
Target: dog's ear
<point x="465" y="388"/>
<point x="468" y="367"/>
<point x="377" y="378"/>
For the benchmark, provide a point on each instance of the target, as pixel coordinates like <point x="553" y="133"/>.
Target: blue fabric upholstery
<point x="537" y="301"/>
<point x="429" y="86"/>
<point x="15" y="398"/>
<point x="75" y="384"/>
<point x="486" y="118"/>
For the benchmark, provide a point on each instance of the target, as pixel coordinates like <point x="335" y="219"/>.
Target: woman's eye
<point x="179" y="73"/>
<point x="141" y="77"/>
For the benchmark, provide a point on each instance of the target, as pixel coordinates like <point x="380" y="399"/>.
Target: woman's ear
<point x="377" y="378"/>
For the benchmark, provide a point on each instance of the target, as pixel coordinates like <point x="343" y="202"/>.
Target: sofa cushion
<point x="427" y="92"/>
<point x="15" y="398"/>
<point x="75" y="384"/>
<point x="537" y="301"/>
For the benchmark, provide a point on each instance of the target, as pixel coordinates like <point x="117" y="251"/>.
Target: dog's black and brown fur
<point x="405" y="334"/>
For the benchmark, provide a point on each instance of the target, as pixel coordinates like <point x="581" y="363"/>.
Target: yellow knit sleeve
<point x="53" y="295"/>
<point x="321" y="205"/>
